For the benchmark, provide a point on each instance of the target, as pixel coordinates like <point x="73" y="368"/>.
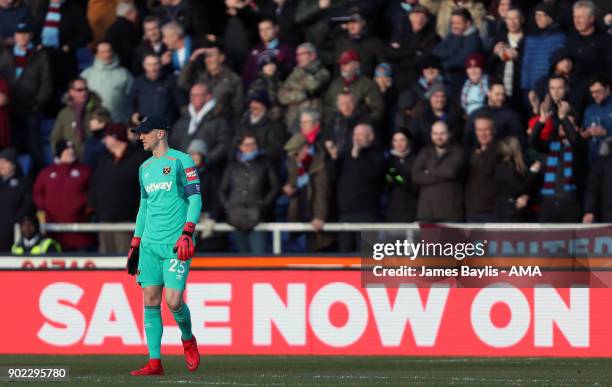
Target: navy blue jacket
<point x="160" y="97"/>
<point x="453" y="51"/>
<point x="537" y="54"/>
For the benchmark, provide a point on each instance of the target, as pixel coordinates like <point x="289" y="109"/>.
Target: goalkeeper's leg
<point x="153" y="330"/>
<point x="182" y="316"/>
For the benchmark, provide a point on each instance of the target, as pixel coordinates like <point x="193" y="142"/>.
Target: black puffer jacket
<point x="15" y="201"/>
<point x="248" y="191"/>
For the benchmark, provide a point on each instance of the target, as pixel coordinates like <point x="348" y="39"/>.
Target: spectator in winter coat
<point x="430" y="73"/>
<point x="359" y="174"/>
<point x="15" y="196"/>
<point x="507" y="121"/>
<point x="364" y="89"/>
<point x="566" y="151"/>
<point x="308" y="189"/>
<point x="539" y="47"/>
<point x="155" y="92"/>
<point x="480" y="184"/>
<point x="444" y="15"/>
<point x="505" y="61"/>
<point x="224" y="84"/>
<point x="248" y="191"/>
<point x="407" y="49"/>
<point x="115" y="190"/>
<point x="513" y="182"/>
<point x="203" y="120"/>
<point x="29" y="76"/>
<point x="590" y="46"/>
<point x="11" y="14"/>
<point x="60" y="191"/>
<point x="72" y="122"/>
<point x="304" y="87"/>
<point x="94" y="147"/>
<point x="456" y="47"/>
<point x="269" y="82"/>
<point x="439" y="108"/>
<point x="111" y="82"/>
<point x="597" y="122"/>
<point x="356" y="37"/>
<point x="269" y="47"/>
<point x="339" y="127"/>
<point x="151" y="44"/>
<point x="270" y="134"/>
<point x="62" y="29"/>
<point x="598" y="203"/>
<point x="180" y="47"/>
<point x="401" y="190"/>
<point x="438" y="172"/>
<point x="475" y="88"/>
<point x="563" y="64"/>
<point x="124" y="34"/>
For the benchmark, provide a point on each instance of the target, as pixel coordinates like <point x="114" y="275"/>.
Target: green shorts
<point x="159" y="266"/>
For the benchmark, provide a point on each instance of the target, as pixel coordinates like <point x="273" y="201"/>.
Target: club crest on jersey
<point x="166" y="170"/>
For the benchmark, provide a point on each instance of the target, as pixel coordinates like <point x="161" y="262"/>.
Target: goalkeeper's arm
<point x="184" y="247"/>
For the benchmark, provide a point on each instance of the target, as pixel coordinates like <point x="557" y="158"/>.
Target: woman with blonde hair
<point x="513" y="181"/>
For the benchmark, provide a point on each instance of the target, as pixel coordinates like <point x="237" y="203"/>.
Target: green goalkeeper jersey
<point x="169" y="197"/>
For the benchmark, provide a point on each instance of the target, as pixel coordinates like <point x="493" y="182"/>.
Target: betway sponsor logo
<point x="163" y="186"/>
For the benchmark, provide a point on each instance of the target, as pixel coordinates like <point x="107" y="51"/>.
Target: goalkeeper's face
<point x="152" y="139"/>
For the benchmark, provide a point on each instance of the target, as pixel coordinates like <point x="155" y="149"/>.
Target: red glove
<point x="133" y="256"/>
<point x="184" y="246"/>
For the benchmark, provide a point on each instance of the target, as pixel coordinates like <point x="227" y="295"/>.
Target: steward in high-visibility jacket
<point x="32" y="242"/>
<point x="40" y="247"/>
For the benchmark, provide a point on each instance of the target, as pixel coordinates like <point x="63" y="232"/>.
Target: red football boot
<point x="153" y="367"/>
<point x="192" y="356"/>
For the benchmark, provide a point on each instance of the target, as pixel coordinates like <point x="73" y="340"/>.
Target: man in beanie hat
<point x="115" y="191"/>
<point x="269" y="133"/>
<point x="539" y="46"/>
<point x="430" y="73"/>
<point x="60" y="191"/>
<point x="439" y="107"/>
<point x="15" y="199"/>
<point x="351" y="80"/>
<point x="474" y="91"/>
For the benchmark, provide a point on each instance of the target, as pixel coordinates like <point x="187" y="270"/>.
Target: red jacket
<point x="61" y="191"/>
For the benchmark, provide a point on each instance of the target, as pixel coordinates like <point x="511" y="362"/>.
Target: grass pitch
<point x="327" y="371"/>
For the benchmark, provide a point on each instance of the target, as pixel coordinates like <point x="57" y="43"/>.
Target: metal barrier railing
<point x="278" y="228"/>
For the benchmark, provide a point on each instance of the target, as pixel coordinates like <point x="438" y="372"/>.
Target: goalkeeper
<point x="163" y="245"/>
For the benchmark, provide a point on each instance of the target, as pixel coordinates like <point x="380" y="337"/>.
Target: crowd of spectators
<point x="306" y="111"/>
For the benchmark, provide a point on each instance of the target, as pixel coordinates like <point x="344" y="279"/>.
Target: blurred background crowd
<point x="311" y="111"/>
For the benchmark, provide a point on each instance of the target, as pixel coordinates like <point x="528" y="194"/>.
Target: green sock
<point x="153" y="330"/>
<point x="183" y="320"/>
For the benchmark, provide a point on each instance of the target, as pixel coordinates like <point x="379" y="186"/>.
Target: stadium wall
<point x="305" y="312"/>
